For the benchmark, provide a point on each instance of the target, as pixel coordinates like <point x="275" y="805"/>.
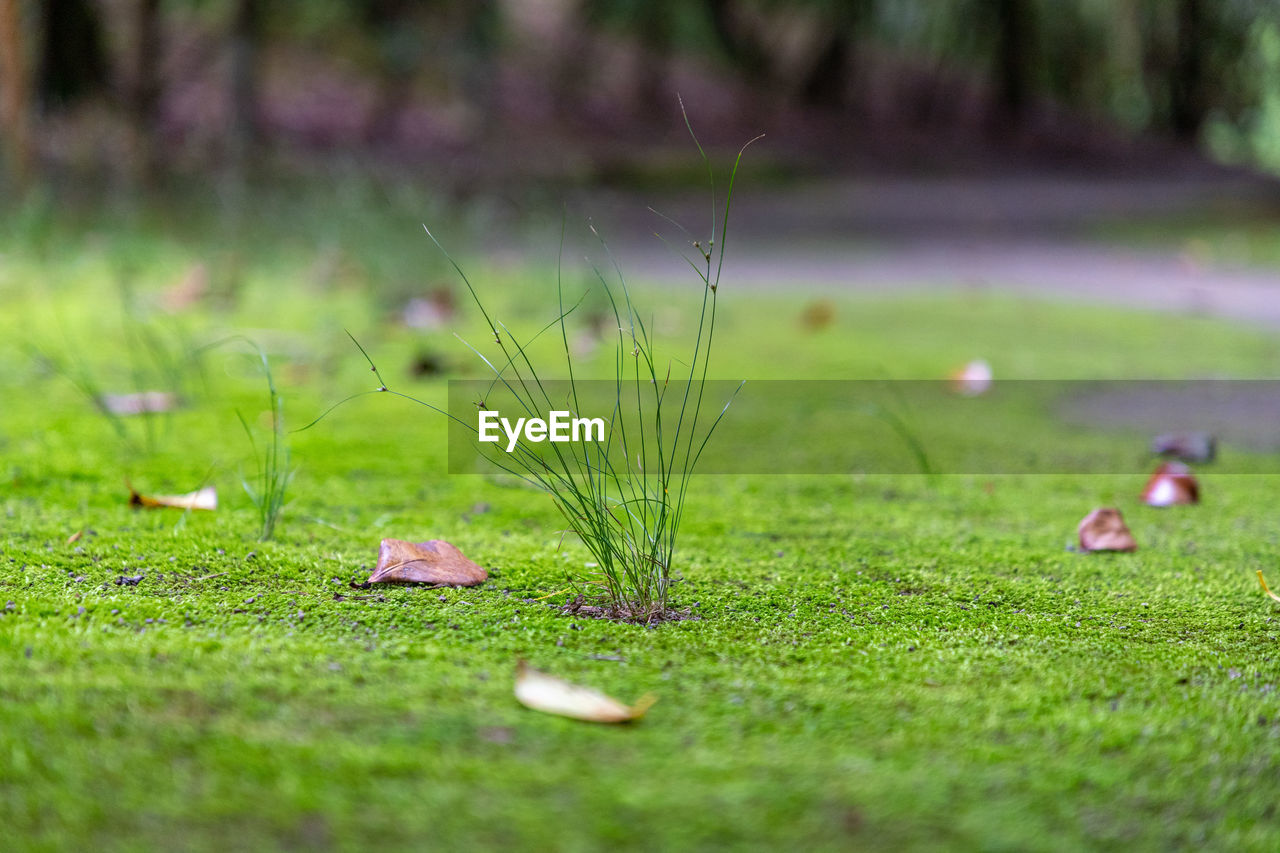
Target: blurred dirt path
<point x="1037" y="236"/>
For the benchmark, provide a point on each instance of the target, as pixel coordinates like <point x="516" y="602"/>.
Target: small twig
<point x="337" y="596"/>
<point x="208" y="577"/>
<point x="1265" y="588"/>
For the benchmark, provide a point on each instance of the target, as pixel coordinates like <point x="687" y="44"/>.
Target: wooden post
<point x="15" y="93"/>
<point x="144" y="100"/>
<point x="1186" y="83"/>
<point x="1013" y="56"/>
<point x="245" y="43"/>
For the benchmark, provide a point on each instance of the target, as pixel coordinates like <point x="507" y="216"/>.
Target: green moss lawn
<point x="879" y="662"/>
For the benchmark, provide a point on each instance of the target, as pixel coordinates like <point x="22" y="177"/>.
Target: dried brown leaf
<point x="1171" y="484"/>
<point x="433" y="562"/>
<point x="818" y="315"/>
<point x="205" y="499"/>
<point x="1104" y="530"/>
<point x="551" y="695"/>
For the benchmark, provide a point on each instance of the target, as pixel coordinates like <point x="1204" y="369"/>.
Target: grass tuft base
<point x="654" y="614"/>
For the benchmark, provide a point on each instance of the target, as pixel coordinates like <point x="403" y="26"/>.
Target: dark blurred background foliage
<point x="475" y="92"/>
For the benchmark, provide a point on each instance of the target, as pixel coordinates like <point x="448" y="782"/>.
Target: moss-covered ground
<point x="879" y="662"/>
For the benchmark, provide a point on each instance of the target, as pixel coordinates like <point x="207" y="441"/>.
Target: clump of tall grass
<point x="273" y="471"/>
<point x="161" y="366"/>
<point x="624" y="497"/>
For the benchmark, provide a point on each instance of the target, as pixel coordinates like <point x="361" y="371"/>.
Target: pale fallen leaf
<point x="205" y="498"/>
<point x="434" y="562"/>
<point x="551" y="695"/>
<point x="75" y="537"/>
<point x="192" y="287"/>
<point x="585" y="343"/>
<point x="1171" y="484"/>
<point x="1189" y="447"/>
<point x="140" y="403"/>
<point x="1266" y="588"/>
<point x="1104" y="530"/>
<point x="433" y="311"/>
<point x="596" y="328"/>
<point x="973" y="379"/>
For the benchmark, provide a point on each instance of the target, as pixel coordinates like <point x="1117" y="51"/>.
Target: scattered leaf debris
<point x="433" y="562"/>
<point x="427" y="364"/>
<point x="972" y="379"/>
<point x="1198" y="447"/>
<point x="188" y="290"/>
<point x="139" y="403"/>
<point x="817" y="315"/>
<point x="1172" y="484"/>
<point x="551" y="695"/>
<point x="204" y="499"/>
<point x="1104" y="530"/>
<point x="432" y="311"/>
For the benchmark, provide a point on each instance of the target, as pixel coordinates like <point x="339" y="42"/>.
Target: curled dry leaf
<point x="973" y="379"/>
<point x="434" y="562"/>
<point x="205" y="498"/>
<point x="1104" y="530"/>
<point x="140" y="403"/>
<point x="1171" y="484"/>
<point x="1189" y="447"/>
<point x="1266" y="588"/>
<point x="551" y="695"/>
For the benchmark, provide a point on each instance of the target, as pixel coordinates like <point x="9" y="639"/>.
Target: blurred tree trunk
<point x="478" y="72"/>
<point x="826" y="82"/>
<point x="655" y="37"/>
<point x="400" y="52"/>
<point x="1014" y="52"/>
<point x="1186" y="84"/>
<point x="743" y="50"/>
<point x="246" y="44"/>
<point x="73" y="62"/>
<point x="15" y="94"/>
<point x="144" y="100"/>
<point x="647" y="23"/>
